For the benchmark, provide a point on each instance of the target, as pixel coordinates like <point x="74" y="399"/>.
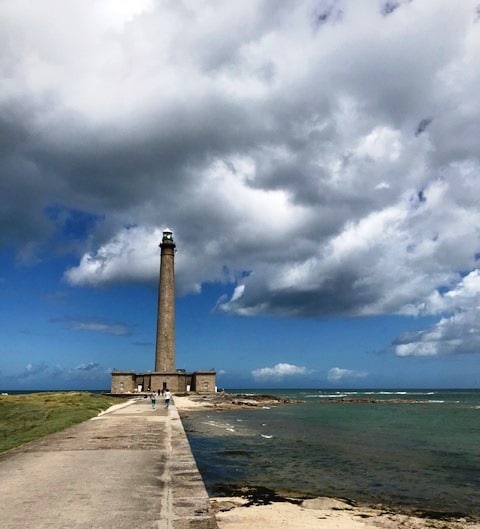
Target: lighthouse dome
<point x="167" y="235"/>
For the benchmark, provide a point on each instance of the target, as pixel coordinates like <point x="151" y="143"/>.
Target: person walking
<point x="153" y="400"/>
<point x="167" y="396"/>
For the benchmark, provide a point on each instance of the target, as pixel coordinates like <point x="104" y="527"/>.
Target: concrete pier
<point x="129" y="468"/>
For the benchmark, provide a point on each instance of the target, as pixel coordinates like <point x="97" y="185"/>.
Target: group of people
<point x="166" y="395"/>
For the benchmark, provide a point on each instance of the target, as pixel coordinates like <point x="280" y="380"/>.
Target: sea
<point x="409" y="449"/>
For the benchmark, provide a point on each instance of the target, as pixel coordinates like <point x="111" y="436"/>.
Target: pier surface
<point x="131" y="467"/>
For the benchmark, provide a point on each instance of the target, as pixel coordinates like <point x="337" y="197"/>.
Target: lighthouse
<point x="165" y="343"/>
<point x="165" y="374"/>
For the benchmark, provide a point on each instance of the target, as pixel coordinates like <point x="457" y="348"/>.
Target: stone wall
<point x="175" y="382"/>
<point x="124" y="382"/>
<point x="204" y="382"/>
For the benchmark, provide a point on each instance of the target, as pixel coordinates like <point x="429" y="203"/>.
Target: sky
<point x="318" y="162"/>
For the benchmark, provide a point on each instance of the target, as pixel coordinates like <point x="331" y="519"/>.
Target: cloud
<point x="457" y="331"/>
<point x="463" y="296"/>
<point x="33" y="370"/>
<point x="279" y="372"/>
<point x="96" y="325"/>
<point x="378" y="265"/>
<point x="44" y="374"/>
<point x="102" y="327"/>
<point x="422" y="126"/>
<point x="336" y="374"/>
<point x="456" y="334"/>
<point x="89" y="366"/>
<point x="338" y="177"/>
<point x="123" y="258"/>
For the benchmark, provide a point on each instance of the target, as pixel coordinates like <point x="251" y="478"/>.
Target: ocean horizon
<point x="406" y="448"/>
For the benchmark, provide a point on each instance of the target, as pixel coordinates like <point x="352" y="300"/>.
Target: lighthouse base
<point x="177" y="382"/>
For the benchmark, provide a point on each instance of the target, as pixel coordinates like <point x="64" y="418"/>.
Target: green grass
<point x="24" y="418"/>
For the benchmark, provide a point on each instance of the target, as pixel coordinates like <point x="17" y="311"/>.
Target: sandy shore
<point x="317" y="513"/>
<point x="321" y="513"/>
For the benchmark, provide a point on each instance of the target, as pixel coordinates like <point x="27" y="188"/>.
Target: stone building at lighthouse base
<point x="177" y="382"/>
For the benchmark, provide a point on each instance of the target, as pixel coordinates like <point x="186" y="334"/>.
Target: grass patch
<point x="24" y="418"/>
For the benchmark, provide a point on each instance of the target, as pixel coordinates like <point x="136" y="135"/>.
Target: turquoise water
<point x="423" y="454"/>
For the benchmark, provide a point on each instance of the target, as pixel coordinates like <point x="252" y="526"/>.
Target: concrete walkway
<point x="129" y="468"/>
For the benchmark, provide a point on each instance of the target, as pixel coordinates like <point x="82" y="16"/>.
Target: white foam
<point x="336" y="394"/>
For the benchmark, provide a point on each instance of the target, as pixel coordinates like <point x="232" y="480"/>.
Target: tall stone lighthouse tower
<point x="165" y="344"/>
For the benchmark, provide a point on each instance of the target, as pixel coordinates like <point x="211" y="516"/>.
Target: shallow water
<point x="423" y="454"/>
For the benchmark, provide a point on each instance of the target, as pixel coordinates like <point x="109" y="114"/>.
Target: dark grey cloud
<point x="422" y="126"/>
<point x="389" y="7"/>
<point x="327" y="11"/>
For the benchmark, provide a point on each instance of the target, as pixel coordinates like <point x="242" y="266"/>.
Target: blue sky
<point x="317" y="161"/>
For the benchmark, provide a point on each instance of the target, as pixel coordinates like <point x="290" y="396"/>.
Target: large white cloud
<point x="455" y="334"/>
<point x="320" y="156"/>
<point x="459" y="332"/>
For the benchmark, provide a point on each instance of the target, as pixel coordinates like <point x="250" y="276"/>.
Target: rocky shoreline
<point x="223" y="400"/>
